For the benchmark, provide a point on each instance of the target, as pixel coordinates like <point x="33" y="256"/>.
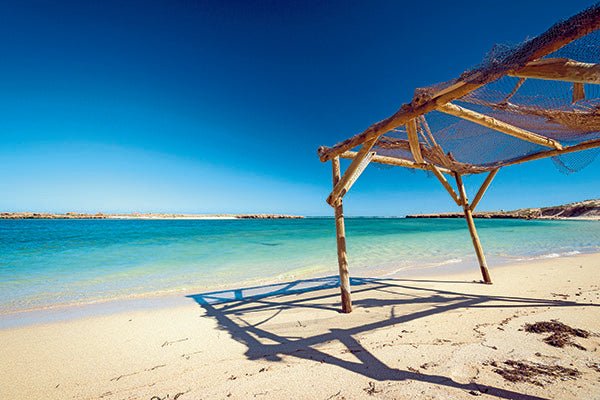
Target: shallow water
<point x="50" y="262"/>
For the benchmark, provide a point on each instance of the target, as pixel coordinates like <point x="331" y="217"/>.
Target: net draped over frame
<point x="546" y="107"/>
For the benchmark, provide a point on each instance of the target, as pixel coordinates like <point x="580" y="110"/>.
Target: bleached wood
<point x="355" y="168"/>
<point x="472" y="230"/>
<point x="497" y="125"/>
<point x="340" y="230"/>
<point x="445" y="183"/>
<point x="560" y="69"/>
<point x="393" y="161"/>
<point x="483" y="188"/>
<point x="413" y="139"/>
<point x="589" y="144"/>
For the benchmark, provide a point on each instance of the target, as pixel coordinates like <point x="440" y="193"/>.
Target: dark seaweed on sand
<point x="521" y="371"/>
<point x="561" y="333"/>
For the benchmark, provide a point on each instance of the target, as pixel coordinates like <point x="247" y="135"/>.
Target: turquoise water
<point x="50" y="262"/>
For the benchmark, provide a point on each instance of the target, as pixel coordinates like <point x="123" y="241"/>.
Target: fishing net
<point x="566" y="112"/>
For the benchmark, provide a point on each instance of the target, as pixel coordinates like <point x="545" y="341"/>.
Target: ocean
<point x="46" y="263"/>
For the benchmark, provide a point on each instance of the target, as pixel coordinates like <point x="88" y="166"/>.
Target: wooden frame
<point x="525" y="62"/>
<point x="553" y="39"/>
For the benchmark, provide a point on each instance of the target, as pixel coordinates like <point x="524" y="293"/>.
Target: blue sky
<point x="186" y="106"/>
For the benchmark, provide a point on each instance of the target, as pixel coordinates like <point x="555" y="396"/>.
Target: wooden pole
<point x="398" y="162"/>
<point x="413" y="139"/>
<point x="471" y="224"/>
<point x="588" y="144"/>
<point x="341" y="243"/>
<point x="356" y="167"/>
<point x="497" y="125"/>
<point x="445" y="183"/>
<point x="483" y="188"/>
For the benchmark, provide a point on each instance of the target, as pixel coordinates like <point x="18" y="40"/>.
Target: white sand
<point x="406" y="339"/>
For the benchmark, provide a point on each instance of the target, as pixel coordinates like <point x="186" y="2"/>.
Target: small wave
<point x="550" y="255"/>
<point x="425" y="266"/>
<point x="450" y="261"/>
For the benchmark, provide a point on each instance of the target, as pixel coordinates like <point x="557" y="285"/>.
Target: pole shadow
<point x="231" y="309"/>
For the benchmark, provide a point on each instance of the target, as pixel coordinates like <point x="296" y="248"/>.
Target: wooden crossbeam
<point x="393" y="161"/>
<point x="446" y="185"/>
<point x="413" y="139"/>
<point x="356" y="167"/>
<point x="497" y="125"/>
<point x="589" y="144"/>
<point x="560" y="69"/>
<point x="483" y="188"/>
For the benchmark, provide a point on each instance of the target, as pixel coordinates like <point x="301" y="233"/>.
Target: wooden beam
<point x="497" y="125"/>
<point x="560" y="69"/>
<point x="433" y="155"/>
<point x="553" y="39"/>
<point x="393" y="161"/>
<point x="483" y="188"/>
<point x="340" y="230"/>
<point x="445" y="183"/>
<point x="587" y="145"/>
<point x="355" y="168"/>
<point x="578" y="91"/>
<point x="473" y="231"/>
<point x="413" y="139"/>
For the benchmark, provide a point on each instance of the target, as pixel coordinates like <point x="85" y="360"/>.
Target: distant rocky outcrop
<point x="74" y="215"/>
<point x="268" y="216"/>
<point x="42" y="215"/>
<point x="588" y="209"/>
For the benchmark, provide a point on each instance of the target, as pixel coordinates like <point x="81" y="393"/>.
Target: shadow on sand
<point x="233" y="308"/>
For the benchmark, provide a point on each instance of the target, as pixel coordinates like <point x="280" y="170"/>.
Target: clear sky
<point x="197" y="106"/>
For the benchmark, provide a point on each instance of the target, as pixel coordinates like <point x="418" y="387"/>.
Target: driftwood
<point x="472" y="230"/>
<point x="560" y="69"/>
<point x="486" y="183"/>
<point x="413" y="140"/>
<point x="445" y="184"/>
<point x="431" y="155"/>
<point x="497" y="125"/>
<point x="574" y="121"/>
<point x="359" y="163"/>
<point x="340" y="230"/>
<point x="393" y="161"/>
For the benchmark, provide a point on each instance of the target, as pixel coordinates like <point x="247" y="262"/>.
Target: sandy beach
<point x="442" y="337"/>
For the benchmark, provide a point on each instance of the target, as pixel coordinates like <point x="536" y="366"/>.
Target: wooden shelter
<point x="488" y="118"/>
